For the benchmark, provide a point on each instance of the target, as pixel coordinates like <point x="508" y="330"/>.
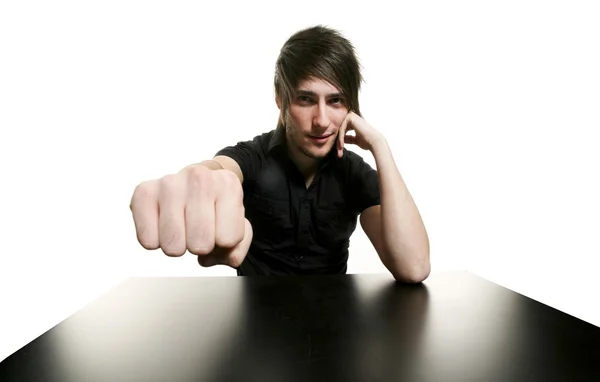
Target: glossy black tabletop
<point x="454" y="327"/>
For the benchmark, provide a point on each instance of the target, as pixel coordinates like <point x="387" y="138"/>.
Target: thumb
<point x="232" y="257"/>
<point x="238" y="253"/>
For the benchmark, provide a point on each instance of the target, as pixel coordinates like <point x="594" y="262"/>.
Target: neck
<point x="306" y="165"/>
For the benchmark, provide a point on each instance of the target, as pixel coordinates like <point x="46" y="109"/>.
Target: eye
<point x="337" y="101"/>
<point x="304" y="99"/>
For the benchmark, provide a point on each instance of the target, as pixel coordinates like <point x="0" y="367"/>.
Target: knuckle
<point x="141" y="188"/>
<point x="142" y="191"/>
<point x="173" y="245"/>
<point x="229" y="241"/>
<point x="201" y="249"/>
<point x="172" y="251"/>
<point x="168" y="181"/>
<point x="197" y="174"/>
<point x="230" y="235"/>
<point x="233" y="262"/>
<point x="236" y="259"/>
<point x="147" y="240"/>
<point x="229" y="186"/>
<point x="200" y="239"/>
<point x="229" y="179"/>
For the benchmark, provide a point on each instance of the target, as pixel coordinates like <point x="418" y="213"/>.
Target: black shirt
<point x="299" y="230"/>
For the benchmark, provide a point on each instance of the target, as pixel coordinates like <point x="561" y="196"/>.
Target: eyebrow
<point x="313" y="94"/>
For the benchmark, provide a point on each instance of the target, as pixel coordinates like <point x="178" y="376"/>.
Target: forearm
<point x="405" y="240"/>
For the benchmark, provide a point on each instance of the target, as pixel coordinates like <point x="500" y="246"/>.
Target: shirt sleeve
<point x="365" y="185"/>
<point x="248" y="156"/>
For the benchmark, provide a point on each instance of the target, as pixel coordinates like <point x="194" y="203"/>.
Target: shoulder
<point x="362" y="180"/>
<point x="264" y="139"/>
<point x="263" y="142"/>
<point x="353" y="164"/>
<point x="249" y="155"/>
<point x="351" y="157"/>
<point x="259" y="144"/>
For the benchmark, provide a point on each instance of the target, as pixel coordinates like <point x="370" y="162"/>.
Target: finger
<point x="231" y="257"/>
<point x="340" y="137"/>
<point x="144" y="208"/>
<point x="350" y="139"/>
<point x="341" y="133"/>
<point x="200" y="212"/>
<point x="171" y="215"/>
<point x="229" y="211"/>
<point x="238" y="254"/>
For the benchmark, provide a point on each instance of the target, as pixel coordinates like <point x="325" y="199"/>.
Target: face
<point x="314" y="117"/>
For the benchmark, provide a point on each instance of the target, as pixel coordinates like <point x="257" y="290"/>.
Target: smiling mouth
<point x="320" y="140"/>
<point x="323" y="137"/>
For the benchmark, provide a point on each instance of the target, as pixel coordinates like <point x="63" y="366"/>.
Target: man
<point x="287" y="201"/>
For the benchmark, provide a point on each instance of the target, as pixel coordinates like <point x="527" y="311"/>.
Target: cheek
<point x="298" y="120"/>
<point x="339" y="118"/>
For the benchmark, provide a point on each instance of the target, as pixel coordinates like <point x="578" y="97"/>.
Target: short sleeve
<point x="365" y="181"/>
<point x="248" y="156"/>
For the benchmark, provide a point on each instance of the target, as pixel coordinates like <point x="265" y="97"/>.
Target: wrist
<point x="209" y="164"/>
<point x="378" y="143"/>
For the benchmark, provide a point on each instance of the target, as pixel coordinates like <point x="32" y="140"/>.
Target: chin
<point x="317" y="153"/>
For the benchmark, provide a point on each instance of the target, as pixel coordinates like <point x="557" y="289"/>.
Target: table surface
<point x="454" y="327"/>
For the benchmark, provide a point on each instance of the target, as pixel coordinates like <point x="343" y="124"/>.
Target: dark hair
<point x="319" y="52"/>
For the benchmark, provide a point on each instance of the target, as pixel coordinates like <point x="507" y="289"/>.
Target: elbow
<point x="412" y="275"/>
<point x="412" y="278"/>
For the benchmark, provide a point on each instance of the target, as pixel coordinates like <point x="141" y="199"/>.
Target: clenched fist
<point x="198" y="210"/>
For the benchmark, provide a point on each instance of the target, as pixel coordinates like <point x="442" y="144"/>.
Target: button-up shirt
<point x="300" y="230"/>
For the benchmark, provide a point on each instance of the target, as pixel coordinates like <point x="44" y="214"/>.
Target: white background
<point x="492" y="110"/>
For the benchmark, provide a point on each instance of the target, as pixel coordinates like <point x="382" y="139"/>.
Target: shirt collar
<point x="277" y="139"/>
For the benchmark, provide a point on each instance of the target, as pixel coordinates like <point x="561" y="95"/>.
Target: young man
<point x="287" y="201"/>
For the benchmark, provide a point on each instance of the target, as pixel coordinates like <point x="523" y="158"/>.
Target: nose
<point x="321" y="119"/>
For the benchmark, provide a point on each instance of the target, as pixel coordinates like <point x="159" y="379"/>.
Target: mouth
<point x="320" y="139"/>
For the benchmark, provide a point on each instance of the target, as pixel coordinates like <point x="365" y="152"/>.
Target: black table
<point x="454" y="327"/>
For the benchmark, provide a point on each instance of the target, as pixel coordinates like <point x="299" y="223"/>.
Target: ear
<point x="278" y="102"/>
